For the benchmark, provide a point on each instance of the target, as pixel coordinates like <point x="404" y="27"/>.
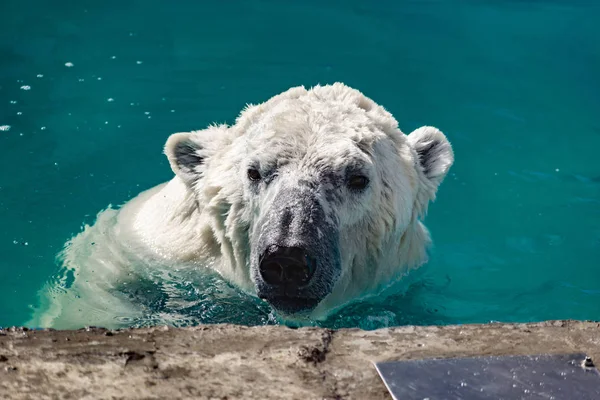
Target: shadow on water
<point x="212" y="301"/>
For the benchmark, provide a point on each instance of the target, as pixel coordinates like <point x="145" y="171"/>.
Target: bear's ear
<point x="434" y="159"/>
<point x="186" y="154"/>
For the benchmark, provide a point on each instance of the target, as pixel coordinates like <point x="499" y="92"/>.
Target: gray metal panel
<point x="557" y="377"/>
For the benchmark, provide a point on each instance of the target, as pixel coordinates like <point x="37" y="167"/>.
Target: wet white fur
<point x="204" y="216"/>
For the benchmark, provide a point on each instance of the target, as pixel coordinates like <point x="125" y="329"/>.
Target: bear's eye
<point x="358" y="182"/>
<point x="253" y="174"/>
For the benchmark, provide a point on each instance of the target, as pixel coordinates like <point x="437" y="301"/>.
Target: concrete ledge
<point x="270" y="362"/>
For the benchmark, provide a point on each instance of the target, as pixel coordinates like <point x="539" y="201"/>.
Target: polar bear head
<point x="314" y="197"/>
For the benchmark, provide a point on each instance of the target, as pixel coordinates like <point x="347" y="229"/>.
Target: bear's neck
<point x="170" y="222"/>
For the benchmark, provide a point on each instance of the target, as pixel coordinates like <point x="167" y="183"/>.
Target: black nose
<point x="286" y="266"/>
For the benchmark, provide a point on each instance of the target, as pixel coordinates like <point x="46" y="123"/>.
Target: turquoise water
<point x="89" y="93"/>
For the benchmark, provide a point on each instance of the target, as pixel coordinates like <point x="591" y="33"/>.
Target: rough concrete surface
<point x="237" y="362"/>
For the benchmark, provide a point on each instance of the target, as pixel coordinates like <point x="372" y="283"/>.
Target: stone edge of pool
<point x="267" y="362"/>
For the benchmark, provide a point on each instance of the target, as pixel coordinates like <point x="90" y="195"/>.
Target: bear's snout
<point x="295" y="258"/>
<point x="287" y="274"/>
<point x="286" y="267"/>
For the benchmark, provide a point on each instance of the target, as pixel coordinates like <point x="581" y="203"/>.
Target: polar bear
<point x="308" y="201"/>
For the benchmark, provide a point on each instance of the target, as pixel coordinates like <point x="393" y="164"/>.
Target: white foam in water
<point x="4" y="128"/>
<point x="69" y="64"/>
<point x="25" y="87"/>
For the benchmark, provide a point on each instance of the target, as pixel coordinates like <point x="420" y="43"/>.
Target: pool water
<point x="90" y="92"/>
